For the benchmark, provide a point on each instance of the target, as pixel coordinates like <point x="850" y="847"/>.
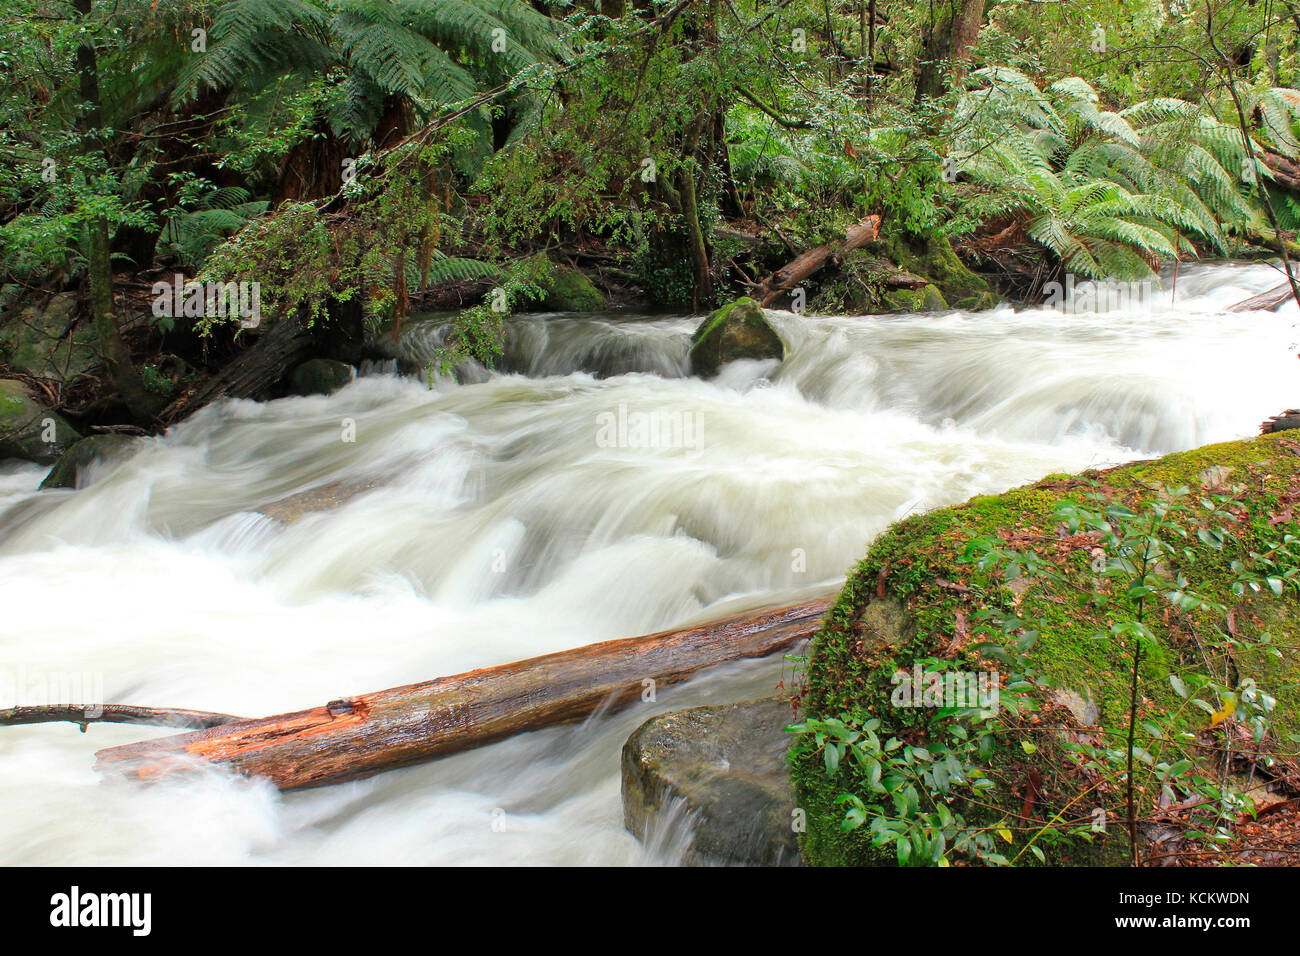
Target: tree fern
<point x="1100" y="188"/>
<point x="432" y="53"/>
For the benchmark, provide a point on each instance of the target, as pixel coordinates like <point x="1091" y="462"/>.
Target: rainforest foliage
<point x="376" y="157"/>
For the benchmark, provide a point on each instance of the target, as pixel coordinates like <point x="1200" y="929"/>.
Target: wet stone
<point x="726" y="767"/>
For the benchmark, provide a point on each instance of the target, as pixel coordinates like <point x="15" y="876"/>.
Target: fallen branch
<point x="1010" y="236"/>
<point x="1284" y="171"/>
<point x="1269" y="301"/>
<point x="791" y="274"/>
<point x="114" y="714"/>
<point x="359" y="736"/>
<point x="1283" y="421"/>
<point x="252" y="371"/>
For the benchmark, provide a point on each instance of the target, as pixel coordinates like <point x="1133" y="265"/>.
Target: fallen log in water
<point x="1269" y="301"/>
<point x="791" y="274"/>
<point x="114" y="714"/>
<point x="359" y="736"/>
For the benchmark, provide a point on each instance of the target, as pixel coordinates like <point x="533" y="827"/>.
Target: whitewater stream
<point x="589" y="490"/>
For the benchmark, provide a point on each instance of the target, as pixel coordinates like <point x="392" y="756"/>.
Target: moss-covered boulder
<point x="935" y="258"/>
<point x="29" y="430"/>
<point x="568" y="290"/>
<point x="896" y="276"/>
<point x="725" y="767"/>
<point x="47" y="341"/>
<point x="320" y="377"/>
<point x="88" y="451"/>
<point x="1048" y="777"/>
<point x="736" y="331"/>
<point x="928" y="298"/>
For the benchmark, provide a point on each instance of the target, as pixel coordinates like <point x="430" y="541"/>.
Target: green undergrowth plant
<point x="1132" y="660"/>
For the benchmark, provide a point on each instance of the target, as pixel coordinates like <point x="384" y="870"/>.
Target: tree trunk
<point x="251" y="373"/>
<point x="359" y="736"/>
<point x="99" y="255"/>
<point x="965" y="30"/>
<point x="1269" y="301"/>
<point x="114" y="714"/>
<point x="949" y="35"/>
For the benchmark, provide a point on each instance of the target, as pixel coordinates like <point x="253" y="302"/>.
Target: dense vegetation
<point x="360" y="159"/>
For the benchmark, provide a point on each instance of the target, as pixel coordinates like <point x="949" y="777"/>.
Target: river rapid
<point x="588" y="490"/>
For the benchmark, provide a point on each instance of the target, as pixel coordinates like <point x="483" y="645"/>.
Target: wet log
<point x="114" y="714"/>
<point x="793" y="273"/>
<point x="1285" y="172"/>
<point x="359" y="736"/>
<point x="251" y="372"/>
<point x="1269" y="301"/>
<point x="1281" y="422"/>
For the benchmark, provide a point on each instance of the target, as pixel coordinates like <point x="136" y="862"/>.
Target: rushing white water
<point x="511" y="517"/>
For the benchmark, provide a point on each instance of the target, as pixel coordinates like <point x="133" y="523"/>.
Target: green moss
<point x="935" y="259"/>
<point x="903" y="602"/>
<point x="739" y="330"/>
<point x="25" y="426"/>
<point x="568" y="290"/>
<point x="928" y="298"/>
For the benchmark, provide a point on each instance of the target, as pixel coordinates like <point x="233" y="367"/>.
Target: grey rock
<point x="320" y="377"/>
<point x="727" y="766"/>
<point x="44" y="341"/>
<point x="29" y="430"/>
<point x="82" y="455"/>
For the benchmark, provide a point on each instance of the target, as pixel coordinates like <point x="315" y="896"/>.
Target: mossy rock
<point x="82" y="455"/>
<point x="44" y="340"/>
<point x="928" y="298"/>
<point x="977" y="303"/>
<point x="320" y="377"/>
<point x="736" y="331"/>
<point x="916" y="596"/>
<point x="29" y="430"/>
<point x="568" y="290"/>
<point x="895" y="276"/>
<point x="935" y="259"/>
<point x="861" y="284"/>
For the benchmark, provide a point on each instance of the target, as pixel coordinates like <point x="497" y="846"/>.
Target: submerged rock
<point x="727" y="766"/>
<point x="320" y="377"/>
<point x="82" y="455"/>
<point x="325" y="498"/>
<point x="29" y="430"/>
<point x="736" y="331"/>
